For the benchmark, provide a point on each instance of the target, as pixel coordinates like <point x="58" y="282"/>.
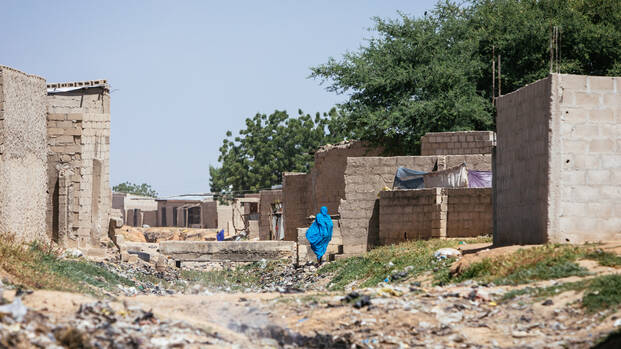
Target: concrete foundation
<point x="233" y="251"/>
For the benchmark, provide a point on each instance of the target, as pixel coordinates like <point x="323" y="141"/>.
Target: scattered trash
<point x="72" y="253"/>
<point x="389" y="292"/>
<point x="16" y="309"/>
<point x="445" y="253"/>
<point x="548" y="302"/>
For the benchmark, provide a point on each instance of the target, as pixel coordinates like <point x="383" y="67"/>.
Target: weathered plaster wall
<point x="456" y="143"/>
<point x="296" y="202"/>
<point x="522" y="164"/>
<point x="23" y="149"/>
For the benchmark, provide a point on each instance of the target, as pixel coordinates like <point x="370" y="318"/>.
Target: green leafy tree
<point x="268" y="146"/>
<point x="434" y="73"/>
<point x="137" y="189"/>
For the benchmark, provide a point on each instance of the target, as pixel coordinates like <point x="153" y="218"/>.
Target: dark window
<point x="174" y="216"/>
<point x="164" y="217"/>
<point x="135" y="218"/>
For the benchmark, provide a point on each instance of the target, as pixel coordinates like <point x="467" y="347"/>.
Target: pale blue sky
<point x="184" y="72"/>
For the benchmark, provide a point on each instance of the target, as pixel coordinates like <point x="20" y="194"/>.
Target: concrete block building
<point x="558" y="161"/>
<point x="23" y="154"/>
<point x="78" y="162"/>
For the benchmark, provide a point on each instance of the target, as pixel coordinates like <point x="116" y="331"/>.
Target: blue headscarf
<point x="320" y="232"/>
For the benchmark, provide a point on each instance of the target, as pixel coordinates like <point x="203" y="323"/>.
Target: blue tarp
<point x="408" y="179"/>
<point x="220" y="235"/>
<point x="320" y="233"/>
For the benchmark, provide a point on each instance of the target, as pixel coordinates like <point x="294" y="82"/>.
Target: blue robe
<point x="320" y="233"/>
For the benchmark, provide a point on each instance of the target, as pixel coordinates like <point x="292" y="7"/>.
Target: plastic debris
<point x="16" y="309"/>
<point x="72" y="253"/>
<point x="445" y="253"/>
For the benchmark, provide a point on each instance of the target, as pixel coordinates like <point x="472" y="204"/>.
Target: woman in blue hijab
<point x="320" y="233"/>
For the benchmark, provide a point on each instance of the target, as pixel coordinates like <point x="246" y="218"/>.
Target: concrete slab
<point x="232" y="251"/>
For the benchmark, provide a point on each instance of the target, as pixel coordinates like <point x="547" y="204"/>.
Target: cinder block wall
<point x="267" y="198"/>
<point x="585" y="159"/>
<point x="469" y="212"/>
<point x="364" y="179"/>
<point x="456" y="143"/>
<point x="23" y="151"/>
<point x="79" y="163"/>
<point x="412" y="215"/>
<point x="558" y="161"/>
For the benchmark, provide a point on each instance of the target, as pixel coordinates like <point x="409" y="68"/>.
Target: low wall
<point x="455" y="143"/>
<point x="306" y="254"/>
<point x="412" y="215"/>
<point x="233" y="251"/>
<point x="469" y="212"/>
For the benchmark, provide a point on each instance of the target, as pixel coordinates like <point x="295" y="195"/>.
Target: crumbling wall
<point x="558" y="167"/>
<point x="78" y="136"/>
<point x="23" y="153"/>
<point x="267" y="199"/>
<point x="364" y="179"/>
<point x="412" y="215"/>
<point x="469" y="212"/>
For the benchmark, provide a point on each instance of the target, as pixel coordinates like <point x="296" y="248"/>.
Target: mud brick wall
<point x="296" y="202"/>
<point x="78" y="134"/>
<point x="23" y="151"/>
<point x="469" y="212"/>
<point x="209" y="214"/>
<point x="364" y="179"/>
<point x="267" y="198"/>
<point x="558" y="167"/>
<point x="457" y="143"/>
<point x="149" y="218"/>
<point x="412" y="215"/>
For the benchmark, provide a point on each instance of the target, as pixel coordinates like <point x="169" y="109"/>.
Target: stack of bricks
<point x="469" y="212"/>
<point x="412" y="215"/>
<point x="458" y="143"/>
<point x="78" y="133"/>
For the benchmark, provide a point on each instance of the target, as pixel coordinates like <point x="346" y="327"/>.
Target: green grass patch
<point x="236" y="279"/>
<point x="600" y="293"/>
<point x="380" y="263"/>
<point x="39" y="266"/>
<point x="606" y="259"/>
<point x="546" y="262"/>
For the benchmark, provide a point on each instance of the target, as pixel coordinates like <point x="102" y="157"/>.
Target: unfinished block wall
<point x="78" y="135"/>
<point x="364" y="179"/>
<point x="23" y="152"/>
<point x="457" y="143"/>
<point x="267" y="199"/>
<point x="469" y="212"/>
<point x="324" y="184"/>
<point x="412" y="215"/>
<point x="558" y="161"/>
